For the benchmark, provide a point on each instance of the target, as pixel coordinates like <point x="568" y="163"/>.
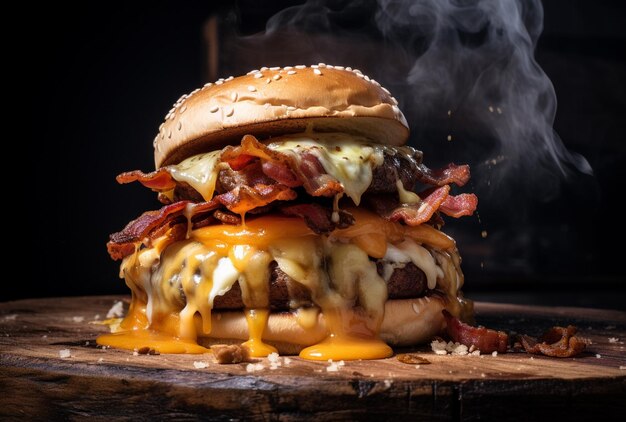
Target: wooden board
<point x="36" y="382"/>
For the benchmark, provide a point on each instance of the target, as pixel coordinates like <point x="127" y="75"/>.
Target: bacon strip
<point x="459" y="205"/>
<point x="459" y="175"/>
<point x="159" y="180"/>
<point x="558" y="342"/>
<point x="245" y="198"/>
<point x="484" y="339"/>
<point x="418" y="213"/>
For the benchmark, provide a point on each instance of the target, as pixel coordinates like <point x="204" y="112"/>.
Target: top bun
<point x="277" y="101"/>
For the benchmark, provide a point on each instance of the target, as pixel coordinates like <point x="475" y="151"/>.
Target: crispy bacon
<point x="318" y="218"/>
<point x="159" y="180"/>
<point x="421" y="212"/>
<point x="245" y="198"/>
<point x="459" y="205"/>
<point x="484" y="339"/>
<point x="559" y="342"/>
<point x="459" y="175"/>
<point x="281" y="173"/>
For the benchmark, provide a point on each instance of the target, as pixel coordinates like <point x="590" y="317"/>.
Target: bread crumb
<point x="613" y="339"/>
<point x="417" y="367"/>
<point x="11" y="317"/>
<point x="117" y="310"/>
<point x="253" y="367"/>
<point x="483" y="375"/>
<point x="100" y="360"/>
<point x="334" y="366"/>
<point x="65" y="353"/>
<point x="200" y="364"/>
<point x="388" y="383"/>
<point x="494" y="353"/>
<point x="622" y="367"/>
<point x="287" y="361"/>
<point x="135" y="353"/>
<point x="96" y="317"/>
<point x="78" y="319"/>
<point x="230" y="353"/>
<point x="598" y="356"/>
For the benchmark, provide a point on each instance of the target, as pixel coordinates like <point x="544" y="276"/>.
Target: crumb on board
<point x="230" y="353"/>
<point x="116" y="311"/>
<point x="65" y="353"/>
<point x="200" y="364"/>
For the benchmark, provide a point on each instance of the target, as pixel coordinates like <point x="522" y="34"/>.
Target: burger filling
<point x="325" y="228"/>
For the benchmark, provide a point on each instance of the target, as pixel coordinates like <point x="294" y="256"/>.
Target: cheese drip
<point x="200" y="172"/>
<point x="174" y="286"/>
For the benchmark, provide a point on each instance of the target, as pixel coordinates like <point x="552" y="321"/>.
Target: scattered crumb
<point x="287" y="361"/>
<point x="483" y="375"/>
<point x="598" y="355"/>
<point x="334" y="366"/>
<point x="412" y="359"/>
<point x="65" y="353"/>
<point x="491" y="109"/>
<point x="11" y="317"/>
<point x="135" y="353"/>
<point x="44" y="336"/>
<point x="613" y="339"/>
<point x="532" y="358"/>
<point x="116" y="311"/>
<point x="449" y="137"/>
<point x="86" y="343"/>
<point x="253" y="367"/>
<point x="78" y="319"/>
<point x="622" y="367"/>
<point x="417" y="367"/>
<point x="443" y="348"/>
<point x="388" y="383"/>
<point x="274" y="360"/>
<point x="475" y="353"/>
<point x="96" y="317"/>
<point x="230" y="353"/>
<point x="494" y="353"/>
<point x="200" y="364"/>
<point x="100" y="360"/>
<point x="610" y="327"/>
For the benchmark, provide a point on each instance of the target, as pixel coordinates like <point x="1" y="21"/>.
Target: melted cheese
<point x="200" y="172"/>
<point x="174" y="286"/>
<point x="349" y="159"/>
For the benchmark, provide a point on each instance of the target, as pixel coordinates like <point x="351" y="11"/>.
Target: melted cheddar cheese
<point x="174" y="285"/>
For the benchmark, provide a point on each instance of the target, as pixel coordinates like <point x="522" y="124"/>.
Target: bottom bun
<point x="406" y="322"/>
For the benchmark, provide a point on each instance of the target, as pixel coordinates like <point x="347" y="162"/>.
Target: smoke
<point x="463" y="71"/>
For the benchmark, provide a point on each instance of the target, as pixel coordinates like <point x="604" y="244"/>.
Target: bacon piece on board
<point x="558" y="342"/>
<point x="484" y="339"/>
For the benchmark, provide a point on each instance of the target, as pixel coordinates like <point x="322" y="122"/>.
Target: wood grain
<point x="36" y="383"/>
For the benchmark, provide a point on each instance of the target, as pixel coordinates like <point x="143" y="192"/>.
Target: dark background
<point x="110" y="71"/>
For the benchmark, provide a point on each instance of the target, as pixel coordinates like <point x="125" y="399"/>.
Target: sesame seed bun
<point x="406" y="322"/>
<point x="276" y="101"/>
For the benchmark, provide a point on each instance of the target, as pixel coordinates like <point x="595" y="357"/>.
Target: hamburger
<point x="295" y="219"/>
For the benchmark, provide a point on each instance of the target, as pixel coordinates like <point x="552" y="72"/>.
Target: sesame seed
<point x="291" y="108"/>
<point x="194" y="91"/>
<point x="234" y="96"/>
<point x="251" y="88"/>
<point x="169" y="134"/>
<point x="264" y="68"/>
<point x="275" y="68"/>
<point x="321" y="64"/>
<point x="317" y="71"/>
<point x="266" y="105"/>
<point x="490" y="109"/>
<point x="300" y="66"/>
<point x="330" y="66"/>
<point x="314" y="66"/>
<point x="357" y="71"/>
<point x="291" y="72"/>
<point x="252" y="71"/>
<point x="367" y="78"/>
<point x="375" y="82"/>
<point x="288" y="67"/>
<point x="416" y="308"/>
<point x="268" y="80"/>
<point x="395" y="109"/>
<point x="339" y="67"/>
<point x="258" y="75"/>
<point x="230" y="78"/>
<point x="208" y="84"/>
<point x="386" y="90"/>
<point x="230" y="112"/>
<point x="183" y="108"/>
<point x="172" y="116"/>
<point x="349" y="69"/>
<point x="394" y="101"/>
<point x="449" y="137"/>
<point x="161" y="126"/>
<point x="276" y="77"/>
<point x="360" y="75"/>
<point x="219" y="82"/>
<point x="180" y="125"/>
<point x="214" y="109"/>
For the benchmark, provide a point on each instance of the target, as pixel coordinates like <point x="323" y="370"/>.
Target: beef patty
<point x="286" y="293"/>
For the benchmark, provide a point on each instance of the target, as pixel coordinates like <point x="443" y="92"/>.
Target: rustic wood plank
<point x="36" y="382"/>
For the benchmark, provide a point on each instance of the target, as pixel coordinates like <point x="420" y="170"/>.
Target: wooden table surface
<point x="36" y="382"/>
